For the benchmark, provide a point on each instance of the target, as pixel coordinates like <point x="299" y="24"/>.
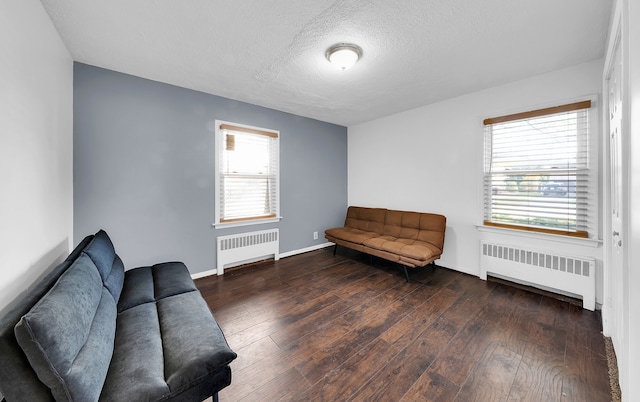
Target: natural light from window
<point x="247" y="173"/>
<point x="536" y="172"/>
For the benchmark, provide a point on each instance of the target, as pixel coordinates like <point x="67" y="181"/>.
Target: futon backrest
<point x="108" y="263"/>
<point x="57" y="340"/>
<point x="421" y="226"/>
<point x="68" y="335"/>
<point x="18" y="380"/>
<point x="367" y="219"/>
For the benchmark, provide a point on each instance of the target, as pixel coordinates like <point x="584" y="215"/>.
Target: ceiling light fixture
<point x="344" y="55"/>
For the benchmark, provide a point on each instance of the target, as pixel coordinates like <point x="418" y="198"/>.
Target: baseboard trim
<point x="214" y="271"/>
<point x="202" y="274"/>
<point x="305" y="250"/>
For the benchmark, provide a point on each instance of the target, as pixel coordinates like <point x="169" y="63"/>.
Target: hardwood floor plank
<point x="342" y="382"/>
<point x="287" y="312"/>
<point x="363" y="332"/>
<point x="254" y="352"/>
<point x="585" y="358"/>
<point x="417" y="321"/>
<point x="431" y="387"/>
<point x="230" y="312"/>
<point x="342" y="270"/>
<point x="540" y="375"/>
<point x="515" y="312"/>
<point x="537" y="380"/>
<point x="283" y="387"/>
<point x="319" y="327"/>
<point x="469" y="344"/>
<point x="251" y="378"/>
<point x="402" y="371"/>
<point x="289" y="333"/>
<point x="236" y="286"/>
<point x="493" y="376"/>
<point x="471" y="300"/>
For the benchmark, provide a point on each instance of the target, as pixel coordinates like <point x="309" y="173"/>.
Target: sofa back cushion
<point x="18" y="380"/>
<point x="68" y="335"/>
<point x="367" y="219"/>
<point x="110" y="267"/>
<point x="425" y="227"/>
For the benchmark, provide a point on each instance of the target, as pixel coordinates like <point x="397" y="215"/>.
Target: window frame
<point x="221" y="128"/>
<point x="593" y="179"/>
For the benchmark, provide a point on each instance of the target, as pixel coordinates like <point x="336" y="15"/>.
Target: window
<point x="537" y="171"/>
<point x="247" y="188"/>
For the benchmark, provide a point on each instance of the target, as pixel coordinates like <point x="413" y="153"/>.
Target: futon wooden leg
<point x="335" y="247"/>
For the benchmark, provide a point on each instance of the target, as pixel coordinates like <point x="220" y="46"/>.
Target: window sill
<point x="246" y="223"/>
<point x="541" y="236"/>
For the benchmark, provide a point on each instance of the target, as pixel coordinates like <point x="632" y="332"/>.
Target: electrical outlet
<point x="315" y="235"/>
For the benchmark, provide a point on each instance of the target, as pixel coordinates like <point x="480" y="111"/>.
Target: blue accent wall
<point x="144" y="169"/>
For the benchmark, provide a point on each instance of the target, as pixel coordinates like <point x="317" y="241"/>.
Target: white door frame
<point x="615" y="307"/>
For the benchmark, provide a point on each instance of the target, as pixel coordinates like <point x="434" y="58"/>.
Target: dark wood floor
<point x="315" y="327"/>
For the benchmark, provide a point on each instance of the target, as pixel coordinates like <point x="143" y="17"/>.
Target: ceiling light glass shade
<point x="344" y="55"/>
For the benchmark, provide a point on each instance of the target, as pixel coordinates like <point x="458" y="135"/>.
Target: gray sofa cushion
<point x="68" y="335"/>
<point x="137" y="365"/>
<point x="66" y="340"/>
<point x="149" y="284"/>
<point x="110" y="266"/>
<point x="18" y="381"/>
<point x="168" y="346"/>
<point x="194" y="346"/>
<point x="102" y="253"/>
<point x="115" y="280"/>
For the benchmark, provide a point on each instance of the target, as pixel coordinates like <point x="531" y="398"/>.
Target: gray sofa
<point x="91" y="331"/>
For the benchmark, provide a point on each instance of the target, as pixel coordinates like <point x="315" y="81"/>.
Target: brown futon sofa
<point x="412" y="239"/>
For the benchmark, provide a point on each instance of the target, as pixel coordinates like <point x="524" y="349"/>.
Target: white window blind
<point x="247" y="173"/>
<point x="537" y="172"/>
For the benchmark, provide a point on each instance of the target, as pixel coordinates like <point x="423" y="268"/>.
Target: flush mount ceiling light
<point x="344" y="55"/>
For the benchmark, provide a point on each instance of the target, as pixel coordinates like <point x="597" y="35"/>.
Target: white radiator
<point x="246" y="247"/>
<point x="562" y="273"/>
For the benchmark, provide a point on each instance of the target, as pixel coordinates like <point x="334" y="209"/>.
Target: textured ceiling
<point x="272" y="53"/>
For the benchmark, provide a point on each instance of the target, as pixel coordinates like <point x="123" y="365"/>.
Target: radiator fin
<point x="241" y="247"/>
<point x="248" y="239"/>
<point x="571" y="265"/>
<point x="574" y="275"/>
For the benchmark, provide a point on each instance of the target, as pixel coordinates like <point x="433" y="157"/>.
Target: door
<point x="615" y="239"/>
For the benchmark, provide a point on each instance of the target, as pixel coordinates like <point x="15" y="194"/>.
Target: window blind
<point x="536" y="173"/>
<point x="248" y="170"/>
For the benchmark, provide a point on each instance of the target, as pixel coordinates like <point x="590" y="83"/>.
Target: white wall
<point x="36" y="123"/>
<point x="430" y="159"/>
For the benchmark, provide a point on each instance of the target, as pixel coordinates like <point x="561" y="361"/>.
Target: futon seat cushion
<point x="149" y="284"/>
<point x="167" y="343"/>
<point x="194" y="346"/>
<point x="350" y="234"/>
<point x="414" y="249"/>
<point x="137" y="365"/>
<point x="164" y="349"/>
